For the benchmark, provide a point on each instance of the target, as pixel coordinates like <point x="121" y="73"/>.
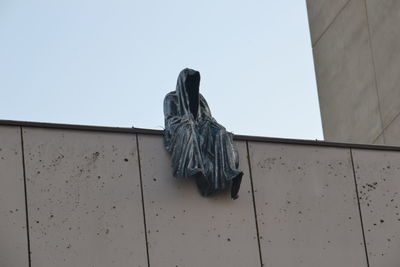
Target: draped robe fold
<point x="200" y="147"/>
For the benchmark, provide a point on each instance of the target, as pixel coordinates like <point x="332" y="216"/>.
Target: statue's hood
<point x="187" y="87"/>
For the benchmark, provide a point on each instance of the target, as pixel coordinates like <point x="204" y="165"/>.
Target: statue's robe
<point x="200" y="147"/>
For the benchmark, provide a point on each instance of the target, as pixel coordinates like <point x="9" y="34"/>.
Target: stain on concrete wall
<point x="13" y="233"/>
<point x="84" y="199"/>
<point x="87" y="192"/>
<point x="306" y="206"/>
<point x="186" y="229"/>
<point x="378" y="179"/>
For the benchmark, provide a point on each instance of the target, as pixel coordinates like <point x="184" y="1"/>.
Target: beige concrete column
<point x="13" y="232"/>
<point x="84" y="199"/>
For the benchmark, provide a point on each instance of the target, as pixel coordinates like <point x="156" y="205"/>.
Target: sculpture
<point x="200" y="147"/>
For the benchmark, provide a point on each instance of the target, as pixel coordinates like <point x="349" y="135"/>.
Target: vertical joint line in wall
<point x="313" y="44"/>
<point x="254" y="204"/>
<point x="374" y="70"/>
<point x="359" y="206"/>
<point x="143" y="207"/>
<point x="26" y="196"/>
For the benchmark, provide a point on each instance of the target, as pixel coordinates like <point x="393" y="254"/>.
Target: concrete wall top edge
<point x="160" y="132"/>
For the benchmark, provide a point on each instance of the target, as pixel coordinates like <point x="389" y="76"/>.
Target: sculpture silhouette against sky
<point x="200" y="147"/>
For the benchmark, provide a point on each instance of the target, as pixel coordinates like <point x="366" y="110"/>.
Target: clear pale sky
<point x="111" y="63"/>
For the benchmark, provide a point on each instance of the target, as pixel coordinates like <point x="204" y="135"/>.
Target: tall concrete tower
<point x="356" y="46"/>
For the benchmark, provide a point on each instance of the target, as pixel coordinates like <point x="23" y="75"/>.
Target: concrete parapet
<point x="104" y="198"/>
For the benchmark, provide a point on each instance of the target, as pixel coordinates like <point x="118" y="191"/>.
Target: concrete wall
<point x="356" y="46"/>
<point x="95" y="198"/>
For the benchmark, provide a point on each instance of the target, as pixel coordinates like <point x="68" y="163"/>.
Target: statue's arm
<point x="171" y="115"/>
<point x="206" y="112"/>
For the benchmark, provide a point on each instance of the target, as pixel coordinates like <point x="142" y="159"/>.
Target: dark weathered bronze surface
<point x="200" y="147"/>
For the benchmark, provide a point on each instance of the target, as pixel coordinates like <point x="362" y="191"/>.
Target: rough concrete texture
<point x="13" y="233"/>
<point x="85" y="207"/>
<point x="378" y="182"/>
<point x="321" y="13"/>
<point x="307" y="206"/>
<point x="84" y="199"/>
<point x="357" y="63"/>
<point x="186" y="229"/>
<point x="345" y="75"/>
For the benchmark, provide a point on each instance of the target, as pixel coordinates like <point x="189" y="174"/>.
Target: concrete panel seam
<point x="143" y="207"/>
<point x="359" y="207"/>
<point x="377" y="137"/>
<point x="329" y="25"/>
<point x="374" y="68"/>
<point x="390" y="122"/>
<point x="26" y="196"/>
<point x="254" y="203"/>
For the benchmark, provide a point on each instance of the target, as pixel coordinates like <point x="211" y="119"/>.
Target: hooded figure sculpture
<point x="200" y="147"/>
